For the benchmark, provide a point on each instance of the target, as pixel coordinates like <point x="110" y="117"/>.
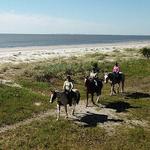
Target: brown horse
<point x="93" y="86"/>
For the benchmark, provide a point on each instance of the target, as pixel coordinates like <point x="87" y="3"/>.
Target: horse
<point x="63" y="100"/>
<point x="113" y="79"/>
<point x="93" y="86"/>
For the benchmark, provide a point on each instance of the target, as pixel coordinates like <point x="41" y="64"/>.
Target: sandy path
<point x="89" y="117"/>
<point x="27" y="121"/>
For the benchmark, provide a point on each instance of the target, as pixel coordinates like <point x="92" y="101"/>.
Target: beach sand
<point x="35" y="54"/>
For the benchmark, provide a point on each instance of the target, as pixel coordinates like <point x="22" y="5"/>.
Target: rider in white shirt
<point x="67" y="87"/>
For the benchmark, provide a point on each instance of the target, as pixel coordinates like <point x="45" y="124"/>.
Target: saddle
<point x="94" y="80"/>
<point x="117" y="76"/>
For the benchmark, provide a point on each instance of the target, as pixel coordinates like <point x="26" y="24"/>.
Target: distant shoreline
<point x="45" y="40"/>
<point x="73" y="34"/>
<point x="36" y="48"/>
<point x="41" y="53"/>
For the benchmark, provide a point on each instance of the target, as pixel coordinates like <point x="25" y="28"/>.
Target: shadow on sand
<point x="119" y="106"/>
<point x="91" y="119"/>
<point x="137" y="95"/>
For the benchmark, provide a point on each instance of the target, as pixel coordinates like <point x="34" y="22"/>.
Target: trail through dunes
<point x="91" y="116"/>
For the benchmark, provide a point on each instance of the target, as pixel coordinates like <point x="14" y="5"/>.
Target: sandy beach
<point x="42" y="53"/>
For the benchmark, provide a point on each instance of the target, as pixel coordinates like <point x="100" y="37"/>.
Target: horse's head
<point x="106" y="78"/>
<point x="53" y="96"/>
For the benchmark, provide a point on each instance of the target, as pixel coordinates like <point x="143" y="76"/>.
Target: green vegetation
<point x="145" y="52"/>
<point x="18" y="104"/>
<point x="50" y="134"/>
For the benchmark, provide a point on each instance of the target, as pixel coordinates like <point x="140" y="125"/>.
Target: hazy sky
<point x="75" y="16"/>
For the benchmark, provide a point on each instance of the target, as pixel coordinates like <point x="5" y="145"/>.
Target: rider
<point x="94" y="73"/>
<point x="67" y="87"/>
<point x="116" y="70"/>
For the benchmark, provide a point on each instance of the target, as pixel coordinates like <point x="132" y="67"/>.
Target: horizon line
<point x="75" y="34"/>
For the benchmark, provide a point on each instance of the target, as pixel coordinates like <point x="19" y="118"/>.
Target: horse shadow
<point x="92" y="119"/>
<point x="119" y="106"/>
<point x="137" y="95"/>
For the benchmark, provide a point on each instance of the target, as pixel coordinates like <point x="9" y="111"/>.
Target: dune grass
<point x="37" y="80"/>
<point x="47" y="76"/>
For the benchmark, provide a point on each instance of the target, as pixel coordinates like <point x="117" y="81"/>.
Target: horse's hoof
<point x="112" y="94"/>
<point x="94" y="104"/>
<point x="73" y="113"/>
<point x="101" y="106"/>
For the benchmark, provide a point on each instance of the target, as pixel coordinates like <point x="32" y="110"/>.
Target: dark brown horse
<point x="93" y="86"/>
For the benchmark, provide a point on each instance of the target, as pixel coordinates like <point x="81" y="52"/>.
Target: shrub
<point x="145" y="52"/>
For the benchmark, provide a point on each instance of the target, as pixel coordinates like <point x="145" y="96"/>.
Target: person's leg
<point x="70" y="98"/>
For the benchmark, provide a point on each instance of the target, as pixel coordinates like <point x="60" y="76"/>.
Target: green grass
<point x="136" y="68"/>
<point x="36" y="80"/>
<point x="51" y="134"/>
<point x="40" y="87"/>
<point x="17" y="104"/>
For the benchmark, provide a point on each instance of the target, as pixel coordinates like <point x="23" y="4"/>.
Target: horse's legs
<point x="73" y="110"/>
<point x="58" y="111"/>
<point x="92" y="97"/>
<point x="118" y="88"/>
<point x="66" y="111"/>
<point x="122" y="86"/>
<point x="112" y="90"/>
<point x="87" y="97"/>
<point x="97" y="100"/>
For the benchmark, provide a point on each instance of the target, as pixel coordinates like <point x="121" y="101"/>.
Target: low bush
<point x="145" y="52"/>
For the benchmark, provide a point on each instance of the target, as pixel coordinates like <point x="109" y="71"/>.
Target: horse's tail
<point x="77" y="95"/>
<point x="100" y="84"/>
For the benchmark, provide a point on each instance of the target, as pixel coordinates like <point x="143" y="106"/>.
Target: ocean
<point x="27" y="40"/>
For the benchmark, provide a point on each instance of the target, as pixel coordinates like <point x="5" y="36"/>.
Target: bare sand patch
<point x="103" y="117"/>
<point x="37" y="103"/>
<point x="9" y="83"/>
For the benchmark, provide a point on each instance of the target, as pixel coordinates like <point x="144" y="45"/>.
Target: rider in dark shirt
<point x="94" y="73"/>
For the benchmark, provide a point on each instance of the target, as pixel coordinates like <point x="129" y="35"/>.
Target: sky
<point x="123" y="17"/>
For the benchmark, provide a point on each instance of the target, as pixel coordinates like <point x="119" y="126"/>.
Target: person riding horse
<point x="94" y="73"/>
<point x="67" y="87"/>
<point x="116" y="71"/>
<point x="93" y="84"/>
